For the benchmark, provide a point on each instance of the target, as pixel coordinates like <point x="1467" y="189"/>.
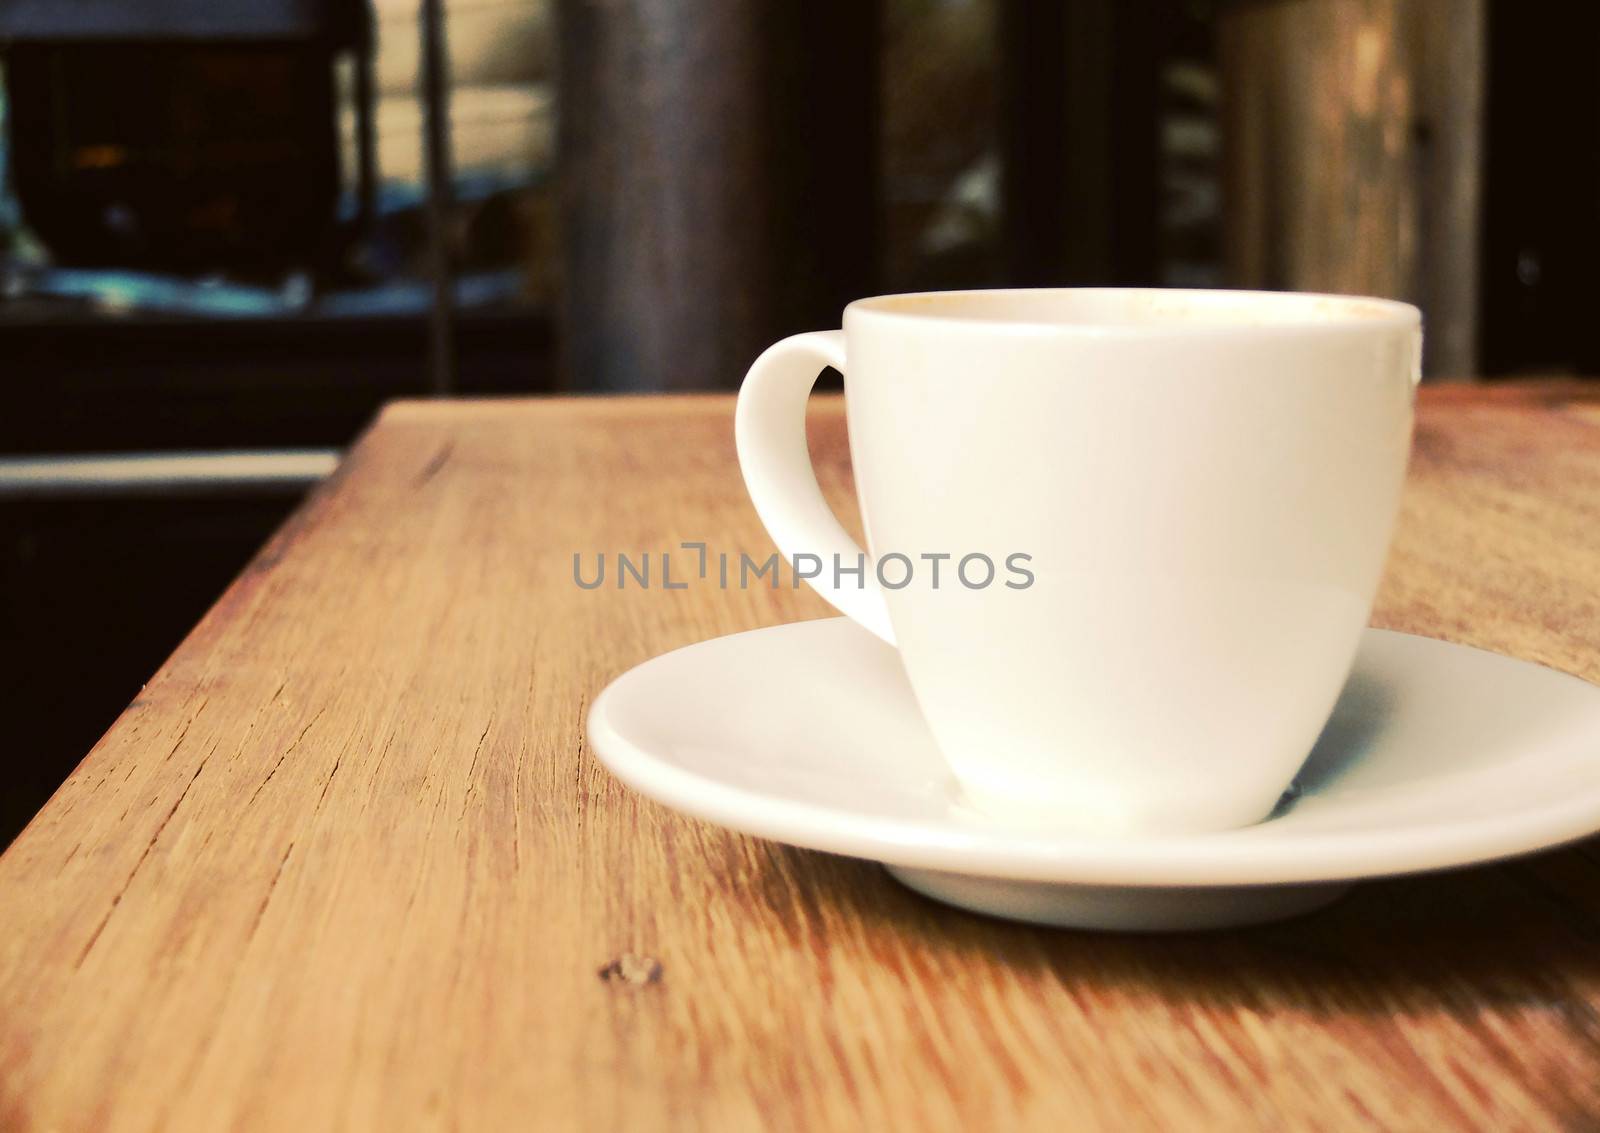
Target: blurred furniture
<point x="501" y="62"/>
<point x="718" y="181"/>
<point x="81" y="384"/>
<point x="346" y="859"/>
<point x="187" y="135"/>
<point x="198" y="143"/>
<point x="1354" y="140"/>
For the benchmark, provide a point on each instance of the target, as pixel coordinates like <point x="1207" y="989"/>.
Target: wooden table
<point x="346" y="862"/>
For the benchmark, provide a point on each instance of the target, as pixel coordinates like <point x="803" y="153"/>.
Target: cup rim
<point x="1323" y="312"/>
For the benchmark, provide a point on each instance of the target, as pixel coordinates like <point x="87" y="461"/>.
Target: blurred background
<point x="231" y="229"/>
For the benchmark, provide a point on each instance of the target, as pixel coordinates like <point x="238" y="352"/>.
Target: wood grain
<point x="346" y="863"/>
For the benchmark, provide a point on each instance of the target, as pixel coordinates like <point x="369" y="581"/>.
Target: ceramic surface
<point x="1162" y="517"/>
<point x="1436" y="756"/>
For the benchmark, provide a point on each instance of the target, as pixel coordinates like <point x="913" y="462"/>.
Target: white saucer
<point x="1436" y="756"/>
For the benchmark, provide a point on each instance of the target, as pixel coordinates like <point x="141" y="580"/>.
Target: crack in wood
<point x="329" y="783"/>
<point x="116" y="898"/>
<point x="472" y="767"/>
<point x="285" y="755"/>
<point x="203" y="1048"/>
<point x="272" y="886"/>
<point x="579" y="795"/>
<point x="176" y="744"/>
<point x="184" y="731"/>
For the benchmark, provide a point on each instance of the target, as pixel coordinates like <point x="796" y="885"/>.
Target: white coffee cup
<point x="1201" y="484"/>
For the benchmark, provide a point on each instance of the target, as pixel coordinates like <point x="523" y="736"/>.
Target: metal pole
<point x="717" y="182"/>
<point x="436" y="153"/>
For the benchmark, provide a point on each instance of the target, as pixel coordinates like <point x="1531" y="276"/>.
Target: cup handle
<point x="769" y="429"/>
